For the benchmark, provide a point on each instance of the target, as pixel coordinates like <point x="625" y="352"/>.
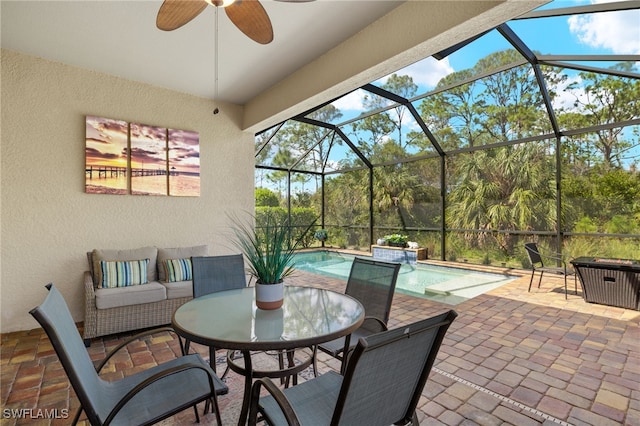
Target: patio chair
<point x="212" y="274"/>
<point x="537" y="264"/>
<point x="383" y="381"/>
<point x="372" y="283"/>
<point x="143" y="398"/>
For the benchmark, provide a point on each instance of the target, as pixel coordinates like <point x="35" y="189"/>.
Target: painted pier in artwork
<point x="100" y="172"/>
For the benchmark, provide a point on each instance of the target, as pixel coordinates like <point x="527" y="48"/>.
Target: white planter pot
<point x="269" y="296"/>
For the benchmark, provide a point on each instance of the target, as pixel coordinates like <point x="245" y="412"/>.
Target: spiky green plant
<point x="268" y="249"/>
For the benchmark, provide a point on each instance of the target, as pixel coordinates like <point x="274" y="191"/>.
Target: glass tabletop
<point x="230" y="319"/>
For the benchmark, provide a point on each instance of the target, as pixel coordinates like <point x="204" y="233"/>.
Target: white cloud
<point x="426" y="73"/>
<point x="616" y="31"/>
<point x="565" y="98"/>
<point x="429" y="71"/>
<point x="350" y="102"/>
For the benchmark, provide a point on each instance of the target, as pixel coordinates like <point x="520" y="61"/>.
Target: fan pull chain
<point x="215" y="70"/>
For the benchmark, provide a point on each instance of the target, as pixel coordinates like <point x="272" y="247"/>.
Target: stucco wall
<point x="48" y="222"/>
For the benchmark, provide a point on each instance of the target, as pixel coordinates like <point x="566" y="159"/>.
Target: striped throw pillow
<point x="178" y="270"/>
<point x="123" y="273"/>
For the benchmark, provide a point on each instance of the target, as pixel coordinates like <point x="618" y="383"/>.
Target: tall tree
<point x="604" y="99"/>
<point x="506" y="188"/>
<point x="312" y="143"/>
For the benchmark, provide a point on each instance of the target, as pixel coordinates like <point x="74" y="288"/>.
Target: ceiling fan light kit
<point x="220" y="3"/>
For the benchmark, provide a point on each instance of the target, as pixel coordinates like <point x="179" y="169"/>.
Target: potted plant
<point x="269" y="252"/>
<point x="321" y="235"/>
<point x="396" y="240"/>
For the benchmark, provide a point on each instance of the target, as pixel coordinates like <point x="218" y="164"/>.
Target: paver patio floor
<point x="511" y="357"/>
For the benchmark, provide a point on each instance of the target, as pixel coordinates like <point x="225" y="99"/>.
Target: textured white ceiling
<point x="120" y="38"/>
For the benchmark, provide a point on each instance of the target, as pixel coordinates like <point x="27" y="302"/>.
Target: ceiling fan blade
<point x="251" y="18"/>
<point x="175" y="13"/>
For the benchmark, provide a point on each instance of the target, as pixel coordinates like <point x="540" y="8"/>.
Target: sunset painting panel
<point x="105" y="156"/>
<point x="184" y="163"/>
<point x="148" y="160"/>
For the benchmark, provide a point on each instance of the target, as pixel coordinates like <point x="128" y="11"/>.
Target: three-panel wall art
<point x="139" y="159"/>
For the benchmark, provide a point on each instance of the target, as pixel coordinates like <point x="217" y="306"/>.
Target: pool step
<point x="434" y="292"/>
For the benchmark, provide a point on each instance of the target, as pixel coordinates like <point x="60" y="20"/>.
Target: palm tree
<point x="506" y="188"/>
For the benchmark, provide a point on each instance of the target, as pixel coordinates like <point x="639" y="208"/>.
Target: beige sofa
<point x="135" y="303"/>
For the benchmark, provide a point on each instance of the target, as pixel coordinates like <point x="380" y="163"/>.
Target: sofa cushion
<point x="123" y="273"/>
<point x="150" y="253"/>
<point x="178" y="253"/>
<point x="134" y="295"/>
<point x="177" y="269"/>
<point x="179" y="289"/>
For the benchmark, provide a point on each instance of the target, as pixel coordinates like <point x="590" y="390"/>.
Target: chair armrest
<point x="88" y="284"/>
<point x="278" y="396"/>
<point x="159" y="376"/>
<point x="376" y="321"/>
<point x="558" y="257"/>
<point x="90" y="309"/>
<point x="89" y="290"/>
<point x="131" y="339"/>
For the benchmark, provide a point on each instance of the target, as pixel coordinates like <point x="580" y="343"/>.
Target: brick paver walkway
<point x="511" y="357"/>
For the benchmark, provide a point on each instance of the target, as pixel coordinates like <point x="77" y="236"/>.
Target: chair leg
<point x="77" y="416"/>
<point x="565" y="287"/>
<point x="226" y="371"/>
<point x="531" y="280"/>
<point x="345" y="354"/>
<point x="212" y="358"/>
<point x="217" y="408"/>
<point x="315" y="361"/>
<point x="195" y="409"/>
<point x="575" y="283"/>
<point x="283" y="380"/>
<point x="292" y="362"/>
<point x="540" y="279"/>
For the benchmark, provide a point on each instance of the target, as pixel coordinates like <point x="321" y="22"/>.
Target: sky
<point x="106" y="145"/>
<point x="593" y="34"/>
<point x="106" y="142"/>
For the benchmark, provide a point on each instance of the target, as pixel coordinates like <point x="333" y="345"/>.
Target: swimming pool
<point x="438" y="283"/>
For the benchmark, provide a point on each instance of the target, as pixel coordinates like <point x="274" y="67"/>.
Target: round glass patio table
<point x="230" y="320"/>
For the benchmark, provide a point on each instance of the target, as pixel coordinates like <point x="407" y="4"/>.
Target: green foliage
<point x="622" y="248"/>
<point x="585" y="225"/>
<point x="302" y="219"/>
<point x="396" y="238"/>
<point x="488" y="192"/>
<point x="266" y="198"/>
<point x="620" y="224"/>
<point x="268" y="249"/>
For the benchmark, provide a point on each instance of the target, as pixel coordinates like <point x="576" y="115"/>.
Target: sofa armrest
<point x="90" y="310"/>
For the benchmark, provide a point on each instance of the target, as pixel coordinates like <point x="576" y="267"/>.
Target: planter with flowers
<point x="321" y="235"/>
<point x="396" y="240"/>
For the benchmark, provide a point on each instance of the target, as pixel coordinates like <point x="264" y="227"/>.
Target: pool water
<point x="438" y="283"/>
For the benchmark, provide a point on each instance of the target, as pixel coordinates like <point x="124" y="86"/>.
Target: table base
<point x="296" y="361"/>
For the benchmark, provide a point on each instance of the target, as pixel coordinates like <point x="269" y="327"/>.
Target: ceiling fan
<point x="248" y="15"/>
